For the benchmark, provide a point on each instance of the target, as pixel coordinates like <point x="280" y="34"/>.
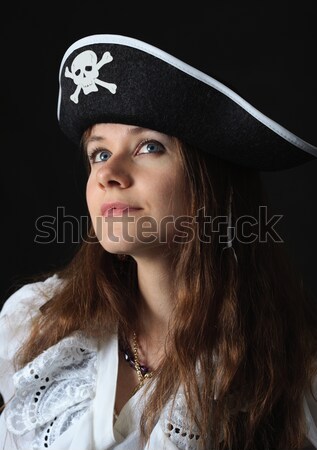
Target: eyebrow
<point x="93" y="139"/>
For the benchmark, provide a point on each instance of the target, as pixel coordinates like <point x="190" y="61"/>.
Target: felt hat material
<point x="119" y="79"/>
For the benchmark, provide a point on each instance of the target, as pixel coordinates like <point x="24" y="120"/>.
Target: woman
<point x="173" y="327"/>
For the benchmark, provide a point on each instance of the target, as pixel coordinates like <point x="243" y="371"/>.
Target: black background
<point x="265" y="53"/>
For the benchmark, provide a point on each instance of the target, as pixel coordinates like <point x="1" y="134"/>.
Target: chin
<point x="133" y="249"/>
<point x="118" y="248"/>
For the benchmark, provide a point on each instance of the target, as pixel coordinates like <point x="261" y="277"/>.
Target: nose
<point x="114" y="173"/>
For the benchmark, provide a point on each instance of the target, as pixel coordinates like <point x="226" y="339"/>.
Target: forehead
<point x="105" y="131"/>
<point x="116" y="127"/>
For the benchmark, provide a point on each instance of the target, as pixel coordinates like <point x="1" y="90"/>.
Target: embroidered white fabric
<point x="54" y="390"/>
<point x="177" y="426"/>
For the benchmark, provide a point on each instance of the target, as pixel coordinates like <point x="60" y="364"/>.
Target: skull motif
<point x="85" y="71"/>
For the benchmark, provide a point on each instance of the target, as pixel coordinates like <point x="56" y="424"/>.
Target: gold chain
<point x="137" y="366"/>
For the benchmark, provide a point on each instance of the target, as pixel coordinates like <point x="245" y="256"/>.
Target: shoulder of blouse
<point x="19" y="310"/>
<point x="32" y="293"/>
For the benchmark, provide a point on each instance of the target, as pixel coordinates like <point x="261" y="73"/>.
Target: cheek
<point x="90" y="196"/>
<point x="171" y="195"/>
<point x="180" y="203"/>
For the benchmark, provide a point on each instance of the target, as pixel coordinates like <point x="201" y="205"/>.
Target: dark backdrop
<point x="266" y="53"/>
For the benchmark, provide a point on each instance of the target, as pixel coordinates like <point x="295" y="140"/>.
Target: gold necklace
<point x="142" y="377"/>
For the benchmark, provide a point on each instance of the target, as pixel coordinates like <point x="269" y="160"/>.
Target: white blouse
<point x="64" y="399"/>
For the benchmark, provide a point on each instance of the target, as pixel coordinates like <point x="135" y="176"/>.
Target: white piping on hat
<point x="201" y="76"/>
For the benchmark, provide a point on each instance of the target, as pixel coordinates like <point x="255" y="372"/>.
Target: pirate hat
<point x="118" y="79"/>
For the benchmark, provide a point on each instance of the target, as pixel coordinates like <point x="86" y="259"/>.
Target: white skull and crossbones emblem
<point x="85" y="71"/>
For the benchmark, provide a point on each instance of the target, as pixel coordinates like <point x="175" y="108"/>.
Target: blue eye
<point x="151" y="147"/>
<point x="99" y="155"/>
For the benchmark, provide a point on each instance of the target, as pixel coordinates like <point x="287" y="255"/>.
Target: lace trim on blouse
<point x="53" y="391"/>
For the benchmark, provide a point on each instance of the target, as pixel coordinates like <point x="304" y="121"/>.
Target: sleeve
<point x="15" y="323"/>
<point x="310" y="408"/>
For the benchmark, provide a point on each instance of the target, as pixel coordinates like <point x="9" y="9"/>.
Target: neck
<point x="156" y="304"/>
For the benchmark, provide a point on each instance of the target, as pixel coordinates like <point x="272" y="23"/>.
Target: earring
<point x="230" y="228"/>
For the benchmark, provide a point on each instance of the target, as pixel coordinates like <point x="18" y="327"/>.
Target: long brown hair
<point x="248" y="323"/>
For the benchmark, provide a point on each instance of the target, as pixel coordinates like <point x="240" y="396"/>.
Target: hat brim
<point x="129" y="81"/>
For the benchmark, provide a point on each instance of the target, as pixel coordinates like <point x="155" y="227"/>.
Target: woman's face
<point x="136" y="189"/>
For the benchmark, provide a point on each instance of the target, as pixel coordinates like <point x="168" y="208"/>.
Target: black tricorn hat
<point x="118" y="79"/>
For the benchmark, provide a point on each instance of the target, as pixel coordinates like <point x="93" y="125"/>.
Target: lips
<point x="113" y="209"/>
